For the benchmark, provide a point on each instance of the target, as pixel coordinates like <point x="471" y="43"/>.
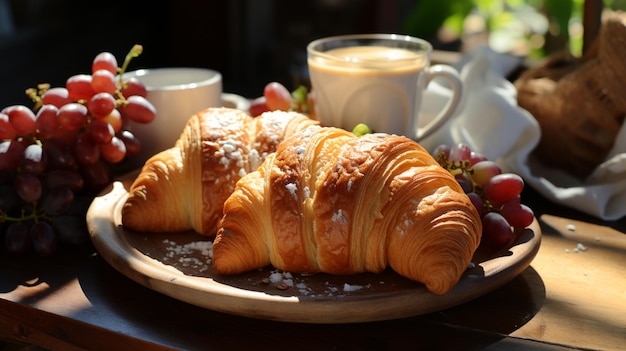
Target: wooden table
<point x="567" y="299"/>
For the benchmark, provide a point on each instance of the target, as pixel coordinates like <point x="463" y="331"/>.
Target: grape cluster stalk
<point x="55" y="156"/>
<point x="495" y="194"/>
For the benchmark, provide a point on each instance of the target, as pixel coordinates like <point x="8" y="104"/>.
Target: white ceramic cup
<point x="377" y="79"/>
<point x="177" y="93"/>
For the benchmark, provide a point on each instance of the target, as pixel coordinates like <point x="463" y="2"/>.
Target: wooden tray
<point x="175" y="265"/>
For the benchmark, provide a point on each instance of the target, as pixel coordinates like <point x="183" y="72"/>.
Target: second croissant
<point x="328" y="201"/>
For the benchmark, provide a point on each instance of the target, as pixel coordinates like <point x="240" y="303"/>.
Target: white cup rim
<point x="426" y="47"/>
<point x="176" y="78"/>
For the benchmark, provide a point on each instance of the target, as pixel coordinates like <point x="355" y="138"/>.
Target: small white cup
<point x="379" y="80"/>
<point x="177" y="93"/>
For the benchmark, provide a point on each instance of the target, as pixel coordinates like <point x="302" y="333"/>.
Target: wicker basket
<point x="580" y="103"/>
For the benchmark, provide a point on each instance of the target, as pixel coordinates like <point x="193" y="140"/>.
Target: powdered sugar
<point x="286" y="280"/>
<point x="293" y="190"/>
<point x="196" y="255"/>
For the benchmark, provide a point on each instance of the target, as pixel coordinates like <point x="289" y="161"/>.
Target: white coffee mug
<point x="377" y="79"/>
<point x="177" y="93"/>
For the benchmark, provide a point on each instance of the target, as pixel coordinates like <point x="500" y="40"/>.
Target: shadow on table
<point x="122" y="304"/>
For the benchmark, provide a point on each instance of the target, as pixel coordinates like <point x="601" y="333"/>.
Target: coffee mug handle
<point x="451" y="75"/>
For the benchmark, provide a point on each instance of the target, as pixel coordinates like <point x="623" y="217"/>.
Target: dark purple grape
<point x="71" y="229"/>
<point x="11" y="152"/>
<point x="497" y="231"/>
<point x="79" y="206"/>
<point x="477" y="201"/>
<point x="133" y="145"/>
<point x="97" y="175"/>
<point x="28" y="187"/>
<point x="464" y="182"/>
<point x="17" y="239"/>
<point x="86" y="149"/>
<point x="58" y="200"/>
<point x="64" y="178"/>
<point x="45" y="240"/>
<point x="59" y="154"/>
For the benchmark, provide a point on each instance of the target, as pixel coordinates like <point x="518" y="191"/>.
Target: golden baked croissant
<point x="185" y="187"/>
<point x="328" y="201"/>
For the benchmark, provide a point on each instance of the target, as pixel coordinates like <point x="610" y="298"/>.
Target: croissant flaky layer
<point x="328" y="201"/>
<point x="184" y="187"/>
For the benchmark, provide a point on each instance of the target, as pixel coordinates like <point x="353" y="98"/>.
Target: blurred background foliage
<point x="532" y="28"/>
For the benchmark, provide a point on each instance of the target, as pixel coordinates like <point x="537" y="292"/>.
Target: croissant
<point x="328" y="201"/>
<point x="184" y="187"/>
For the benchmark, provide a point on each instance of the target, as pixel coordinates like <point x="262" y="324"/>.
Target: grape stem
<point x="36" y="214"/>
<point x="135" y="51"/>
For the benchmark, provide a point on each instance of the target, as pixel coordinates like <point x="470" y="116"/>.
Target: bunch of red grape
<point x="276" y="97"/>
<point x="496" y="195"/>
<point x="56" y="156"/>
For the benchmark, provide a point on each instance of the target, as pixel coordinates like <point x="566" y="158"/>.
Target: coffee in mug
<point x="376" y="79"/>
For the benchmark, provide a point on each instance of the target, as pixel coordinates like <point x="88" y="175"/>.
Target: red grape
<point x="133" y="86"/>
<point x="6" y="129"/>
<point x="103" y="81"/>
<point x="277" y="97"/>
<point x="258" y="106"/>
<point x="100" y="131"/>
<point x="32" y="159"/>
<point x="114" y="151"/>
<point x="106" y="61"/>
<point x="476" y="157"/>
<point x="503" y="187"/>
<point x="139" y="109"/>
<point x="22" y="119"/>
<point x="518" y="215"/>
<point x="114" y="119"/>
<point x="101" y="105"/>
<point x="58" y="97"/>
<point x="460" y="152"/>
<point x="79" y="87"/>
<point x="72" y="116"/>
<point x="47" y="121"/>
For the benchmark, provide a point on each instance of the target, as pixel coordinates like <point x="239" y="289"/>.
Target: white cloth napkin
<point x="489" y="120"/>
